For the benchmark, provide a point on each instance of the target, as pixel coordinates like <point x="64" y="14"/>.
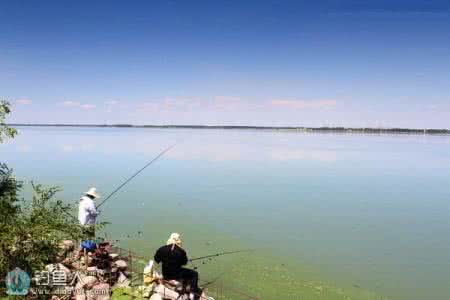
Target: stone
<point x="58" y="266"/>
<point x="102" y="291"/>
<point x="114" y="255"/>
<point x="86" y="282"/>
<point x="68" y="244"/>
<point x="122" y="281"/>
<point x="50" y="267"/>
<point x="121" y="264"/>
<point x="101" y="272"/>
<point x="62" y="267"/>
<point x="160" y="289"/>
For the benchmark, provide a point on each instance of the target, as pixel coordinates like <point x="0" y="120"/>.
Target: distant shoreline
<point x="276" y="128"/>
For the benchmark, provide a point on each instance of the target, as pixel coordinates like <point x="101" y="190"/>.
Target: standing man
<point x="173" y="257"/>
<point x="87" y="212"/>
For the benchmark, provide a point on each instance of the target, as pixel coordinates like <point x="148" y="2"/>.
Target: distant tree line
<point x="293" y="128"/>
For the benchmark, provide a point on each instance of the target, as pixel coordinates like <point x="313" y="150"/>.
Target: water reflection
<point x="359" y="206"/>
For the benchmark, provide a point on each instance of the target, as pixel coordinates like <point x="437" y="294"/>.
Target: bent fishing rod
<point x="129" y="179"/>
<point x="136" y="174"/>
<point x="219" y="254"/>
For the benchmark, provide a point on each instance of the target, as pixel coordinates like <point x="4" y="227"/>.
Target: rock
<point x="68" y="244"/>
<point x="114" y="255"/>
<point x="155" y="297"/>
<point x="121" y="264"/>
<point x="102" y="291"/>
<point x="147" y="291"/>
<point x="101" y="272"/>
<point x="168" y="293"/>
<point x="63" y="268"/>
<point x="122" y="281"/>
<point x="68" y="261"/>
<point x="54" y="267"/>
<point x="50" y="267"/>
<point x="86" y="282"/>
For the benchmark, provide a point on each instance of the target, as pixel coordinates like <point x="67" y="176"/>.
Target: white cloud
<point x="70" y="104"/>
<point x="304" y="104"/>
<point x="173" y="104"/>
<point x="228" y="104"/>
<point x="76" y="104"/>
<point x="219" y="104"/>
<point x="110" y="105"/>
<point x="112" y="102"/>
<point x="87" y="106"/>
<point x="24" y="101"/>
<point x="223" y="103"/>
<point x="149" y="107"/>
<point x="192" y="104"/>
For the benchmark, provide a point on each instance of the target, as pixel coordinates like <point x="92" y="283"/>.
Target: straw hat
<point x="92" y="192"/>
<point x="174" y="239"/>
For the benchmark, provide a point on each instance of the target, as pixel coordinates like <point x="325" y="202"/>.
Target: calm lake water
<point x="361" y="212"/>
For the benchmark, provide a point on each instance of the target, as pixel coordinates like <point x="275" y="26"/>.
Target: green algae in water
<point x="256" y="274"/>
<point x="351" y="211"/>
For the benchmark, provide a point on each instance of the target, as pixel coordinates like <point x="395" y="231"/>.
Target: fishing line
<point x="135" y="174"/>
<point x="219" y="254"/>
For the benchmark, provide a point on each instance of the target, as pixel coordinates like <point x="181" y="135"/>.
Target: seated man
<point x="173" y="257"/>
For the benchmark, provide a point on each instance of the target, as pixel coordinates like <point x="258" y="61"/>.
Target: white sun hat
<point x="174" y="238"/>
<point x="92" y="192"/>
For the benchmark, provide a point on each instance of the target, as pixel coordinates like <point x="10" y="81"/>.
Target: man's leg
<point x="192" y="277"/>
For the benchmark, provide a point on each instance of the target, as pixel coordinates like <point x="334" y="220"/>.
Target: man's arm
<point x="158" y="257"/>
<point x="184" y="259"/>
<point x="91" y="209"/>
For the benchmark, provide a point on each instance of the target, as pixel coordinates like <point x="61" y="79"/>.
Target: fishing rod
<point x="135" y="174"/>
<point x="129" y="179"/>
<point x="206" y="283"/>
<point x="218" y="254"/>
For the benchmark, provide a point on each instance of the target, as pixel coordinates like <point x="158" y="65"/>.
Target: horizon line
<point x="298" y="128"/>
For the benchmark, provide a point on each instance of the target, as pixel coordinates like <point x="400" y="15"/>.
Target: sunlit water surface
<point x="358" y="211"/>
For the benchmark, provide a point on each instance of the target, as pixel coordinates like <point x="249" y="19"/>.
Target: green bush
<point x="32" y="230"/>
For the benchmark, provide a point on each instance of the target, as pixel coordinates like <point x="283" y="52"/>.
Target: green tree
<point x="9" y="187"/>
<point x="8" y="184"/>
<point x="5" y="130"/>
<point x="30" y="230"/>
<point x="33" y="232"/>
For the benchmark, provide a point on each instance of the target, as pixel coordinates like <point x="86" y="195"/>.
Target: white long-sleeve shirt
<point x="87" y="213"/>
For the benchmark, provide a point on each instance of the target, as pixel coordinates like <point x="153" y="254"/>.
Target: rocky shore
<point x="83" y="274"/>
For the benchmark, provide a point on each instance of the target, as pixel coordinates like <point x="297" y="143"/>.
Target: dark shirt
<point x="172" y="258"/>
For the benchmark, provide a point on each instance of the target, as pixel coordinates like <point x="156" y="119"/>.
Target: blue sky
<point x="322" y="63"/>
